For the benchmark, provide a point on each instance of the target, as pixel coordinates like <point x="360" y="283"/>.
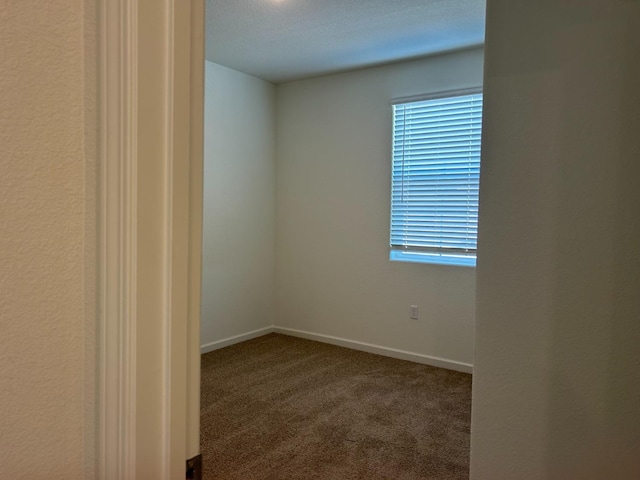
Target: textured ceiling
<point x="281" y="40"/>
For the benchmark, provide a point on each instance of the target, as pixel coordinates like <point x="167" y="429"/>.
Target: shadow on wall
<point x="597" y="306"/>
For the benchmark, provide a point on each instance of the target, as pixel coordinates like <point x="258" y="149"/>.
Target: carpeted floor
<point x="279" y="407"/>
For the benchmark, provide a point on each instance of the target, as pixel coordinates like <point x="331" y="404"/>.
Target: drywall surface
<point x="42" y="250"/>
<point x="556" y="380"/>
<point x="333" y="271"/>
<point x="239" y="204"/>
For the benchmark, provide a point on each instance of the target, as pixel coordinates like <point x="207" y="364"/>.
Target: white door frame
<point x="150" y="84"/>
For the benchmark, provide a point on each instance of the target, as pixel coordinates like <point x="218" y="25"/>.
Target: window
<point x="435" y="177"/>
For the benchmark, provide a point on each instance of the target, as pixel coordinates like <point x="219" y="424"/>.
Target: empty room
<point x="342" y="156"/>
<point x="102" y="175"/>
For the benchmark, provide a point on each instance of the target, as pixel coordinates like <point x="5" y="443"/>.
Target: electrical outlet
<point x="413" y="312"/>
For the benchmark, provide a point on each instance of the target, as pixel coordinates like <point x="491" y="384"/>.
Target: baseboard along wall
<point x="343" y="342"/>
<point x="210" y="347"/>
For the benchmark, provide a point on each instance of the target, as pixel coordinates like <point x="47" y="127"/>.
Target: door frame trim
<point x="117" y="233"/>
<point x="176" y="39"/>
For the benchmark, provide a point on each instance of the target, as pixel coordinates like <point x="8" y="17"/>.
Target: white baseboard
<point x="210" y="347"/>
<point x="342" y="342"/>
<point x="377" y="349"/>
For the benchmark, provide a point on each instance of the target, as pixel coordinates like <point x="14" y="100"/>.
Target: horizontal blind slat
<point x="435" y="174"/>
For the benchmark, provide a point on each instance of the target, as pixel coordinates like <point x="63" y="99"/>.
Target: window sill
<point x="433" y="258"/>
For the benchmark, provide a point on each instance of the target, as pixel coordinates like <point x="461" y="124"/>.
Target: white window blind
<point x="435" y="177"/>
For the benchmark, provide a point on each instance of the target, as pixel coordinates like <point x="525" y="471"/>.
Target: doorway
<point x="297" y="193"/>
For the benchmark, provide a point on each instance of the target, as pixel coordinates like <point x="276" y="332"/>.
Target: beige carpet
<point x="279" y="407"/>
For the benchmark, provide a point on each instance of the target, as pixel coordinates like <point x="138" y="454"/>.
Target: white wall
<point x="333" y="195"/>
<point x="239" y="204"/>
<point x="557" y="369"/>
<point x="46" y="239"/>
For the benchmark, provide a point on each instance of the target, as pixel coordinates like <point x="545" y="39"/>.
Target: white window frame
<point x="401" y="247"/>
